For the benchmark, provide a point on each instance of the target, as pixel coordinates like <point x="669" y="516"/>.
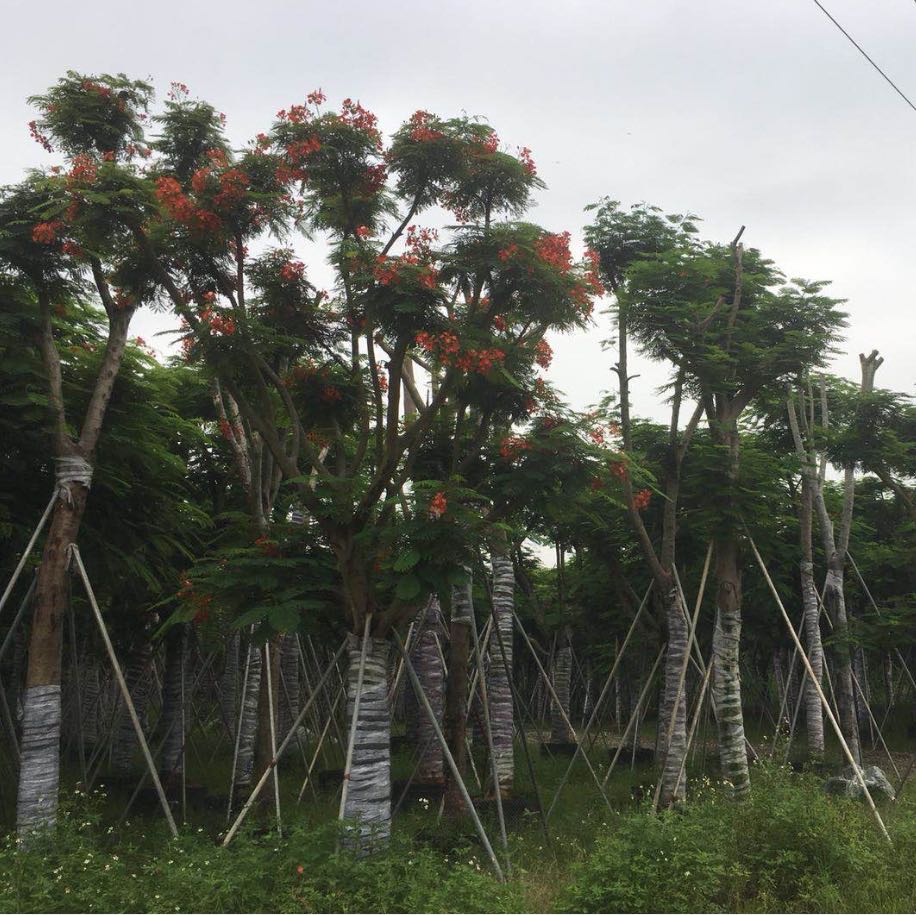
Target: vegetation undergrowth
<point x="789" y="847"/>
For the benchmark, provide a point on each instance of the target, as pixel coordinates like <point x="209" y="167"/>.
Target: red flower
<point x="438" y="505"/>
<point x="527" y="162"/>
<point x="292" y="271"/>
<point x="300" y="869"/>
<point x="641" y="499"/>
<point x="619" y="469"/>
<point x="554" y="251"/>
<point x="543" y="354"/>
<point x="363" y="231"/>
<point x="45" y="233"/>
<point x="506" y="253"/>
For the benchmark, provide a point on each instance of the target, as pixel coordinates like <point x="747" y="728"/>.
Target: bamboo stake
<point x="634" y="716"/>
<point x="839" y="733"/>
<point x="238" y="730"/>
<point x="273" y="731"/>
<point x="26" y="552"/>
<point x="125" y="692"/>
<point x="284" y="743"/>
<point x="488" y="733"/>
<point x="424" y="701"/>
<point x="324" y="732"/>
<point x="556" y="699"/>
<point x="597" y="708"/>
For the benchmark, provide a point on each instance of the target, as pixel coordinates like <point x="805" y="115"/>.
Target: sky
<point x="758" y="114"/>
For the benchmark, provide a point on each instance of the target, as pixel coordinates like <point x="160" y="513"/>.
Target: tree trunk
<point x="138" y="675"/>
<point x="726" y="677"/>
<point x="39" y="773"/>
<point x="499" y="686"/>
<point x="560" y="731"/>
<point x="674" y="786"/>
<point x="456" y="696"/>
<point x="427" y="662"/>
<point x="835" y="605"/>
<point x="288" y="696"/>
<point x="173" y="720"/>
<point x="229" y="683"/>
<point x="248" y="729"/>
<point x="367" y="811"/>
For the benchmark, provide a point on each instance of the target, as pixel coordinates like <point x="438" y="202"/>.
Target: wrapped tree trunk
<point x="674" y="701"/>
<point x="726" y="678"/>
<point x="39" y="772"/>
<point x="456" y="697"/>
<point x="367" y="811"/>
<point x="229" y="683"/>
<point x="560" y="731"/>
<point x="138" y="675"/>
<point x="499" y="686"/>
<point x="427" y="663"/>
<point x="288" y="695"/>
<point x="248" y="729"/>
<point x="173" y="720"/>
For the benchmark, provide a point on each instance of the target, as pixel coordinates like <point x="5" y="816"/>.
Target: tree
<point x="63" y="233"/>
<point x="726" y="316"/>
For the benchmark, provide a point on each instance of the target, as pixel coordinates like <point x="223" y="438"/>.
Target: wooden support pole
<point x="836" y="727"/>
<point x="125" y="692"/>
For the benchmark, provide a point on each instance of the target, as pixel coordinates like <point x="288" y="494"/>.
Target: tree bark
<point x="248" y="728"/>
<point x="499" y="687"/>
<point x="229" y="683"/>
<point x="674" y="787"/>
<point x="427" y="662"/>
<point x="39" y="773"/>
<point x="560" y="731"/>
<point x="456" y="696"/>
<point x="173" y="720"/>
<point x="367" y="811"/>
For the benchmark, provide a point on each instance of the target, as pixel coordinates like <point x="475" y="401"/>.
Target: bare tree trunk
<point x="367" y="811"/>
<point x="499" y="687"/>
<point x="173" y="720"/>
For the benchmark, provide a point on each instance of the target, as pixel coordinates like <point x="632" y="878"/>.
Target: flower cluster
<point x="223" y="325"/>
<point x="354" y="115"/>
<point x="292" y="271"/>
<point x="543" y="354"/>
<point x="619" y="469"/>
<point x="554" y="251"/>
<point x="641" y="499"/>
<point x="84" y="171"/>
<point x="505" y="254"/>
<point x="182" y="209"/>
<point x="512" y="446"/>
<point x="39" y="137"/>
<point x="527" y="162"/>
<point x="420" y="131"/>
<point x="480" y="360"/>
<point x="438" y="505"/>
<point x="45" y="233"/>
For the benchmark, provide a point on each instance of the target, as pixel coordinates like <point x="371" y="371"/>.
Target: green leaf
<point x="408" y="587"/>
<point x="407" y="560"/>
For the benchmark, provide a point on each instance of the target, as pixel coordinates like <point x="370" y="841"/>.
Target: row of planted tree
<point x="329" y="463"/>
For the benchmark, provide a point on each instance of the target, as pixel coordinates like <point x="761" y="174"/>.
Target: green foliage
<point x="788" y="848"/>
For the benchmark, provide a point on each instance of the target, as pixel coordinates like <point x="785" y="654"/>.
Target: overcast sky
<point x="745" y="113"/>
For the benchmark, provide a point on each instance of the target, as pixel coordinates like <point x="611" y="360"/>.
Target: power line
<point x="862" y="51"/>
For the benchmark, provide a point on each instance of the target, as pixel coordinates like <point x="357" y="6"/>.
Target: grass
<point x="790" y="847"/>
